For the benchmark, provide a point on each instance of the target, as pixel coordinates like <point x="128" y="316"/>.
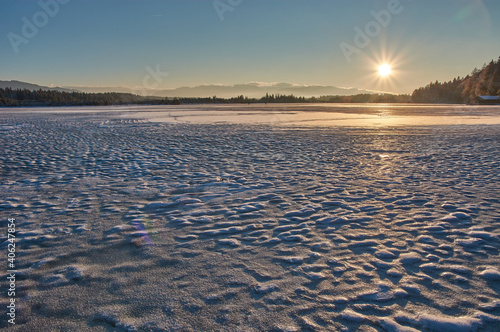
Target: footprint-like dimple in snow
<point x="427" y="239"/>
<point x="469" y="242"/>
<point x="386" y="254"/>
<point x="230" y="242"/>
<point x="491" y="273"/>
<point x="410" y="258"/>
<point x="456" y="216"/>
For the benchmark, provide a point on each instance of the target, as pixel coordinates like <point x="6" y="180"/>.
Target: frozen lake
<point x="313" y="115"/>
<point x="253" y="218"/>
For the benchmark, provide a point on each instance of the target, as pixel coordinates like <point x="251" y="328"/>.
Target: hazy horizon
<point x="172" y="44"/>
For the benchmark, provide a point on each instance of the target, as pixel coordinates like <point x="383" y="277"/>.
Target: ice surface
<point x="126" y="224"/>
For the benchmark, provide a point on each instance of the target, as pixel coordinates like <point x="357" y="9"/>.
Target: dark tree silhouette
<point x="13" y="98"/>
<point x="462" y="90"/>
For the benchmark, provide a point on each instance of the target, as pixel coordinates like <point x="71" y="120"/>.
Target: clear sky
<point x="113" y="42"/>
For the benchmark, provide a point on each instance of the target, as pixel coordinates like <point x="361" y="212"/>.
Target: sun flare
<point x="384" y="70"/>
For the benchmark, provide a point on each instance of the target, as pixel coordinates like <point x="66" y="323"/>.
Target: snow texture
<point x="129" y="225"/>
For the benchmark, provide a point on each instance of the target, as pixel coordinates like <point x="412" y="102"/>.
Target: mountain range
<point x="30" y="86"/>
<point x="251" y="90"/>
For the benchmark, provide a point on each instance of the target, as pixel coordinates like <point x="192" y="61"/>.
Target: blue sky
<point x="112" y="42"/>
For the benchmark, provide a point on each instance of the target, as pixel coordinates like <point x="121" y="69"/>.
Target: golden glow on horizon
<point x="384" y="70"/>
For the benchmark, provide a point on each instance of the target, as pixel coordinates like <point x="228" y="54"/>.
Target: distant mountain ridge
<point x="30" y="86"/>
<point x="250" y="90"/>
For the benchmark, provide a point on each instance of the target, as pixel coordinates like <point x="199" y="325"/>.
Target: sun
<point x="384" y="70"/>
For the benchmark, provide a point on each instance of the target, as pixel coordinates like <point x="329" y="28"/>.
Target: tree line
<point x="484" y="82"/>
<point x="279" y="98"/>
<point x="22" y="98"/>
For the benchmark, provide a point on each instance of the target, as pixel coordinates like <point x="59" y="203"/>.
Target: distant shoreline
<point x="245" y="104"/>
